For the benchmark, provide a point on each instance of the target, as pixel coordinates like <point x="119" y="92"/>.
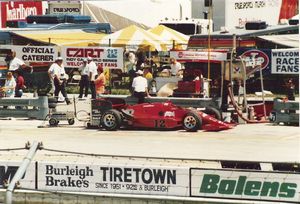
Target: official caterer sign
<point x="285" y="61"/>
<point x="108" y="57"/>
<point x="34" y="53"/>
<point x="248" y="185"/>
<point x="196" y="56"/>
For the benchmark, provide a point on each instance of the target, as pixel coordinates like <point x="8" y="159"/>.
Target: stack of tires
<point x="52" y="102"/>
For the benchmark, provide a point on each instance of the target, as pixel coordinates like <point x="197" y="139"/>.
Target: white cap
<point x="139" y="72"/>
<point x="89" y="58"/>
<point x="84" y="59"/>
<point x="59" y="59"/>
<point x="165" y="71"/>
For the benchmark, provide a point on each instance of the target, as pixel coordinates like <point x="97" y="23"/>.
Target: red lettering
<point x="84" y="52"/>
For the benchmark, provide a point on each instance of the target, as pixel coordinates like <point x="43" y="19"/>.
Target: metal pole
<point x="263" y="93"/>
<point x="244" y="83"/>
<point x="20" y="172"/>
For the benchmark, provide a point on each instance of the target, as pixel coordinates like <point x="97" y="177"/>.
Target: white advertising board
<point x="285" y="61"/>
<point x="248" y="185"/>
<point x="34" y="53"/>
<point x="114" y="179"/>
<point x="108" y="57"/>
<point x="238" y="12"/>
<point x="196" y="56"/>
<point x="9" y="168"/>
<point x="65" y="8"/>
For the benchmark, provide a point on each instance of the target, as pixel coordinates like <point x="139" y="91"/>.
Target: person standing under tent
<point x="9" y="86"/>
<point x="92" y="68"/>
<point x="20" y="84"/>
<point x="140" y="87"/>
<point x="100" y="82"/>
<point x="17" y="63"/>
<point x="290" y="90"/>
<point x="84" y="81"/>
<point x="175" y="66"/>
<point x="60" y="79"/>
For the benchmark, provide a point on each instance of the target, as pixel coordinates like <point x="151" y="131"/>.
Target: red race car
<point x="162" y="116"/>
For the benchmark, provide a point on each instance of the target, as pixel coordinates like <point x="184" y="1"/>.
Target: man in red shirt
<point x="20" y="84"/>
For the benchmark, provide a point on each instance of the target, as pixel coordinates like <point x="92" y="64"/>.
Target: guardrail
<point x="286" y="112"/>
<point x="36" y="108"/>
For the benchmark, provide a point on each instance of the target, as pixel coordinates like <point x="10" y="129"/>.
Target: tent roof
<point x="169" y="35"/>
<point x="133" y="36"/>
<point x="62" y="37"/>
<point x="289" y="40"/>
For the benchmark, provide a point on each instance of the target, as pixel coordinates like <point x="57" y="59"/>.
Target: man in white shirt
<point x="92" y="68"/>
<point x="140" y="87"/>
<point x="17" y="63"/>
<point x="175" y="66"/>
<point x="84" y="81"/>
<point x="58" y="74"/>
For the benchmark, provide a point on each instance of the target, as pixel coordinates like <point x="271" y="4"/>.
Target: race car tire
<point x="71" y="121"/>
<point x="111" y="120"/>
<point x="192" y="122"/>
<point x="213" y="112"/>
<point x="53" y="122"/>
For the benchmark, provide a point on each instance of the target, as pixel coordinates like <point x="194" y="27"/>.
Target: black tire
<point x="111" y="120"/>
<point x="213" y="112"/>
<point x="192" y="122"/>
<point x="71" y="121"/>
<point x="53" y="122"/>
<point x="52" y="102"/>
<point x="52" y="105"/>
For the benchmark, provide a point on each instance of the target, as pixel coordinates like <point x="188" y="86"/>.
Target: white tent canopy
<point x="134" y="37"/>
<point x="143" y="13"/>
<point x="289" y="40"/>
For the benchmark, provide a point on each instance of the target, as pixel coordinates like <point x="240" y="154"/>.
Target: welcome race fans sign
<point x="285" y="61"/>
<point x="108" y="57"/>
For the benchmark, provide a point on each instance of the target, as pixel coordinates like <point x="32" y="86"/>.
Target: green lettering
<point x="252" y="188"/>
<point x="209" y="183"/>
<point x="287" y="190"/>
<point x="269" y="189"/>
<point x="240" y="185"/>
<point x="227" y="187"/>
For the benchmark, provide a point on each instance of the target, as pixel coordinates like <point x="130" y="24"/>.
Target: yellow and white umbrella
<point x="134" y="37"/>
<point x="170" y="36"/>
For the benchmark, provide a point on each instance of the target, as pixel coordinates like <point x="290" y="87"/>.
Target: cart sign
<point x="113" y="179"/>
<point x="245" y="185"/>
<point x="285" y="61"/>
<point x="194" y="56"/>
<point x="108" y="57"/>
<point x="19" y="10"/>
